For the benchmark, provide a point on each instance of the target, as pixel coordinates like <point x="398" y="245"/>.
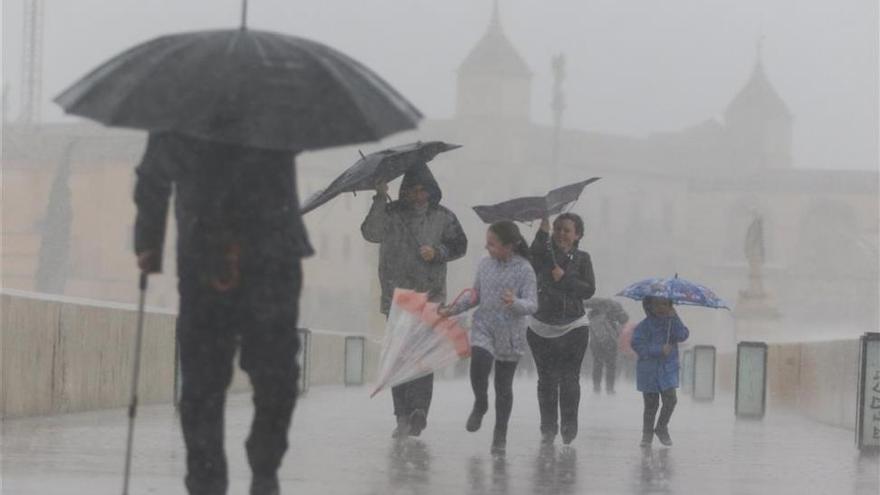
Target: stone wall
<point x="61" y="355"/>
<point x="818" y="379"/>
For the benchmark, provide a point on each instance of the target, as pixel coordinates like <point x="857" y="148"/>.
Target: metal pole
<point x="244" y="14"/>
<point x="132" y="408"/>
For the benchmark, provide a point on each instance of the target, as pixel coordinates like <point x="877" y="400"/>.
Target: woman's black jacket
<point x="563" y="301"/>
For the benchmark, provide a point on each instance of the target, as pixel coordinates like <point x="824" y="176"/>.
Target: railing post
<point x="704" y="373"/>
<point x="304" y="359"/>
<point x="868" y="405"/>
<point x="687" y="372"/>
<point x="751" y="380"/>
<point x="354" y="360"/>
<point x="178" y="378"/>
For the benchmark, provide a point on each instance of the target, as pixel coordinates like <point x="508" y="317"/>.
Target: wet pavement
<point x="340" y="444"/>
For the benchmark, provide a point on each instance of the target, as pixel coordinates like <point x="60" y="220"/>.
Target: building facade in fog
<point x="673" y="202"/>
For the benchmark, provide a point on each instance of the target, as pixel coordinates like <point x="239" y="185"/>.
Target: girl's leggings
<point x="481" y="365"/>
<point x="652" y="400"/>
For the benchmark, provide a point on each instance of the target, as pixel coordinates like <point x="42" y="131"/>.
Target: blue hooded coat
<point x="654" y="371"/>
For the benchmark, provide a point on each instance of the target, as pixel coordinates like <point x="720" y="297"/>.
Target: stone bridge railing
<point x="61" y="355"/>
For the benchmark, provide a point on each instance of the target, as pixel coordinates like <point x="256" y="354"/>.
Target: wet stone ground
<point x="341" y="444"/>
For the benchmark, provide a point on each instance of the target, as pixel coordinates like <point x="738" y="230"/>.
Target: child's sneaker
<point x="647" y="439"/>
<point x="663" y="436"/>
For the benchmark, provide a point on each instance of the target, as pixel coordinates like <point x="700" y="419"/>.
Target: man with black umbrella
<point x="240" y="240"/>
<point x="417" y="238"/>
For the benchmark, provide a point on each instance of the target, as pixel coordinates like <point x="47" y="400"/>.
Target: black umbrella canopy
<point x="381" y="166"/>
<point x="532" y="208"/>
<point x="245" y="87"/>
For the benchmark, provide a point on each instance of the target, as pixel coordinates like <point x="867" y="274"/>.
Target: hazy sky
<point x="634" y="66"/>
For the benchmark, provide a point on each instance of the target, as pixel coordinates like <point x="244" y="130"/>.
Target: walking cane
<point x="132" y="407"/>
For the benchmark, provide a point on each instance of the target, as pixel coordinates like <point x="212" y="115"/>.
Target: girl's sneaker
<point x="474" y="420"/>
<point x="499" y="443"/>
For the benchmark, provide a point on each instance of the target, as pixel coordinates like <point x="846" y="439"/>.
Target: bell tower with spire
<point x="759" y="123"/>
<point x="494" y="83"/>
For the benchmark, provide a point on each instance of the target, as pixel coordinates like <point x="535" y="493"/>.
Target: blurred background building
<point x="672" y="202"/>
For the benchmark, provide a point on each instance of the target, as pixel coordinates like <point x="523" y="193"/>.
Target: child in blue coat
<point x="655" y="340"/>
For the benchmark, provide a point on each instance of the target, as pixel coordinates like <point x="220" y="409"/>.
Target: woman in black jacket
<point x="558" y="332"/>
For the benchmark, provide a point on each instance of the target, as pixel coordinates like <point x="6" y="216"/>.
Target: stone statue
<point x="754" y="247"/>
<point x="754" y="301"/>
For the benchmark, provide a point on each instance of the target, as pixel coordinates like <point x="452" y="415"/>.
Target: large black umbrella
<point x="381" y="166"/>
<point x="240" y="86"/>
<point x="532" y="208"/>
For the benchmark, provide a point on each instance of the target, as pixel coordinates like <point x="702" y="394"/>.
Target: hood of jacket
<point x="420" y="174"/>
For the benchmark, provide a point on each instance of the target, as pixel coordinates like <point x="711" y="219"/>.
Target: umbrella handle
<point x="469" y="290"/>
<point x="550" y="249"/>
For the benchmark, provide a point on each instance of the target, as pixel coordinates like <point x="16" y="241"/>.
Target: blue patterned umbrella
<point x="678" y="290"/>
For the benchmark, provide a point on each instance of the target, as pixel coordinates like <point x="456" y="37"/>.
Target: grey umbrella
<point x="384" y="166"/>
<point x="245" y="87"/>
<point x="532" y="208"/>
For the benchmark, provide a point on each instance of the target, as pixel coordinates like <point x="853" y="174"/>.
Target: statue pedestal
<point x="756" y="316"/>
<point x="756" y="329"/>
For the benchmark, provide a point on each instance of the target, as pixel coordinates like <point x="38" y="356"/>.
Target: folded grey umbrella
<point x="245" y="87"/>
<point x="532" y="208"/>
<point x="381" y="166"/>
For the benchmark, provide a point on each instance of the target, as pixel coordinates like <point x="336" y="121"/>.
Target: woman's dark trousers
<point x="652" y="402"/>
<point x="481" y="366"/>
<point x="559" y="392"/>
<point x="260" y="319"/>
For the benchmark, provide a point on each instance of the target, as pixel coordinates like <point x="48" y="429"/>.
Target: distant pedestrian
<point x="655" y="340"/>
<point x="506" y="294"/>
<point x="606" y="319"/>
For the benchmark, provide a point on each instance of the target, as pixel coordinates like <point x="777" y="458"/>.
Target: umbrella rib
<point x="332" y="73"/>
<point x="156" y="66"/>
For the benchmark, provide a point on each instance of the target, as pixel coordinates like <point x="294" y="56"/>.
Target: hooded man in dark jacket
<point x="240" y="240"/>
<point x="417" y="237"/>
